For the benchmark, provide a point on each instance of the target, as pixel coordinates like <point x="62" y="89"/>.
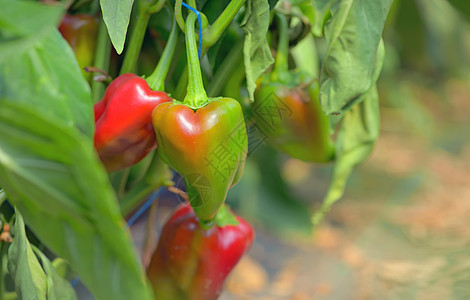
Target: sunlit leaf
<point x="353" y="34"/>
<point x="116" y="15"/>
<point x="256" y="51"/>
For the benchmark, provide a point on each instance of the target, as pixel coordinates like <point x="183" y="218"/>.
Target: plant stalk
<point x="281" y="65"/>
<point x="195" y="95"/>
<point x="156" y="81"/>
<point x="102" y="54"/>
<point x="212" y="34"/>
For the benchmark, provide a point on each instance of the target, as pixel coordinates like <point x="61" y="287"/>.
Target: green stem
<point x="281" y="65"/>
<point x="156" y="81"/>
<point x="225" y="70"/>
<point x="102" y="54"/>
<point x="158" y="175"/>
<point x="195" y="94"/>
<point x="192" y="3"/>
<point x="179" y="14"/>
<point x="156" y="7"/>
<point x="137" y="37"/>
<point x="215" y="30"/>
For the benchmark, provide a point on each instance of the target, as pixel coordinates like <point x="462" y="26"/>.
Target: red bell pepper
<point x="192" y="263"/>
<point x="124" y="133"/>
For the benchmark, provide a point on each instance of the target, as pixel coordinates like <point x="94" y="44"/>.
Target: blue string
<point x="198" y="14"/>
<point x="144" y="207"/>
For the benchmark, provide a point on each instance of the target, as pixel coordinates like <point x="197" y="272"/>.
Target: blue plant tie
<point x="144" y="207"/>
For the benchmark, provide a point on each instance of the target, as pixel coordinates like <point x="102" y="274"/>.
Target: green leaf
<point x="116" y="16"/>
<point x="317" y="12"/>
<point x="34" y="18"/>
<point x="462" y="6"/>
<point x="57" y="287"/>
<point x="356" y="138"/>
<point x="378" y="63"/>
<point x="256" y="51"/>
<point x="43" y="73"/>
<point x="353" y="35"/>
<point x="23" y="266"/>
<point x="63" y="268"/>
<point x="53" y="176"/>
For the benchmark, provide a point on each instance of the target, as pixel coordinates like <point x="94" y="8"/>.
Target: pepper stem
<point x="195" y="94"/>
<point x="156" y="81"/>
<point x="281" y="65"/>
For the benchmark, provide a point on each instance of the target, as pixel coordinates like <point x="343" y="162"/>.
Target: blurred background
<point x="402" y="229"/>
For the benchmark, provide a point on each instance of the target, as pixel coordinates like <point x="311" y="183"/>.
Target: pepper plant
<point x="81" y="152"/>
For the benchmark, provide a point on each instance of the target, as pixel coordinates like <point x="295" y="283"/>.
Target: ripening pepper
<point x="202" y="139"/>
<point x="80" y="31"/>
<point x="124" y="134"/>
<point x="191" y="263"/>
<point x="288" y="111"/>
<point x="123" y="118"/>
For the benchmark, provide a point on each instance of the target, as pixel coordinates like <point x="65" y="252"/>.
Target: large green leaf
<point x="34" y="18"/>
<point x="353" y="34"/>
<point x="52" y="174"/>
<point x="356" y="138"/>
<point x="317" y="12"/>
<point x="256" y="51"/>
<point x="39" y="68"/>
<point x="23" y="266"/>
<point x="116" y="16"/>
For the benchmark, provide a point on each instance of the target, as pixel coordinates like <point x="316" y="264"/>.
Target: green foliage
<point x="23" y="266"/>
<point x="31" y="280"/>
<point x="116" y="15"/>
<point x="356" y="139"/>
<point x="256" y="51"/>
<point x="38" y="17"/>
<point x="53" y="176"/>
<point x="42" y="67"/>
<point x="353" y="34"/>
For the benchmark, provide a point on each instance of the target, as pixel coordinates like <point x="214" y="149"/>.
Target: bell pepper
<point x="124" y="132"/>
<point x="203" y="139"/>
<point x="81" y="31"/>
<point x="287" y="109"/>
<point x="191" y="263"/>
